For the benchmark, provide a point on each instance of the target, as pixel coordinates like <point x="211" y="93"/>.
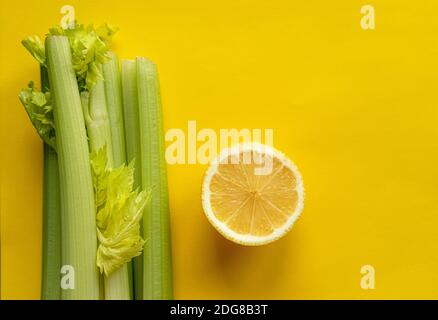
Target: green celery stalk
<point x="157" y="262"/>
<point x="50" y="283"/>
<point x="117" y="286"/>
<point x="97" y="121"/>
<point x="113" y="94"/>
<point x="51" y="259"/>
<point x="131" y="116"/>
<point x="78" y="220"/>
<point x="132" y="135"/>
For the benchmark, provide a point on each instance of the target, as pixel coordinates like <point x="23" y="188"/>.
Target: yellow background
<point x="356" y="110"/>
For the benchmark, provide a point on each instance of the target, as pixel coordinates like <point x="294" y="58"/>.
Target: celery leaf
<point x="119" y="211"/>
<point x="89" y="48"/>
<point x="106" y="32"/>
<point x="39" y="109"/>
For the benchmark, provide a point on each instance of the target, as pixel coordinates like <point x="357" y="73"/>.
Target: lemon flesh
<point x="246" y="206"/>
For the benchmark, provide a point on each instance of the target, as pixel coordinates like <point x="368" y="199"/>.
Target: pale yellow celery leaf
<point x="122" y="241"/>
<point x="106" y="32"/>
<point x="120" y="184"/>
<point x="102" y="217"/>
<point x="124" y="221"/>
<point x="100" y="175"/>
<point x="39" y="109"/>
<point x="89" y="48"/>
<point x="119" y="213"/>
<point x="110" y="185"/>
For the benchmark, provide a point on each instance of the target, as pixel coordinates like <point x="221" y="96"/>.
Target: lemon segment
<point x="252" y="194"/>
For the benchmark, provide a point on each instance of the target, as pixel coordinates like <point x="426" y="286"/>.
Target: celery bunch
<point x="92" y="120"/>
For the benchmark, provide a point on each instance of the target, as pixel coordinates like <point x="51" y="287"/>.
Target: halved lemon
<point x="252" y="194"/>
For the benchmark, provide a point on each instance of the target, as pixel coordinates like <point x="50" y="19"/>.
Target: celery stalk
<point x="51" y="259"/>
<point x="97" y="121"/>
<point x="116" y="285"/>
<point x="50" y="283"/>
<point x="132" y="125"/>
<point x="157" y="263"/>
<point x="132" y="134"/>
<point x="113" y="94"/>
<point x="79" y="242"/>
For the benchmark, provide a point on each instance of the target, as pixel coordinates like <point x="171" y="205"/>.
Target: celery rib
<point x="113" y="95"/>
<point x="116" y="285"/>
<point x="51" y="263"/>
<point x="97" y="121"/>
<point x="51" y="259"/>
<point x="131" y="116"/>
<point x="132" y="135"/>
<point x="79" y="242"/>
<point x="157" y="263"/>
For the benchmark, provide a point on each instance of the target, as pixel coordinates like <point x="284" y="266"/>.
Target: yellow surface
<point x="355" y="110"/>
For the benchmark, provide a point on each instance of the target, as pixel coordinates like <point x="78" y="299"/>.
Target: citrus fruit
<point x="252" y="194"/>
